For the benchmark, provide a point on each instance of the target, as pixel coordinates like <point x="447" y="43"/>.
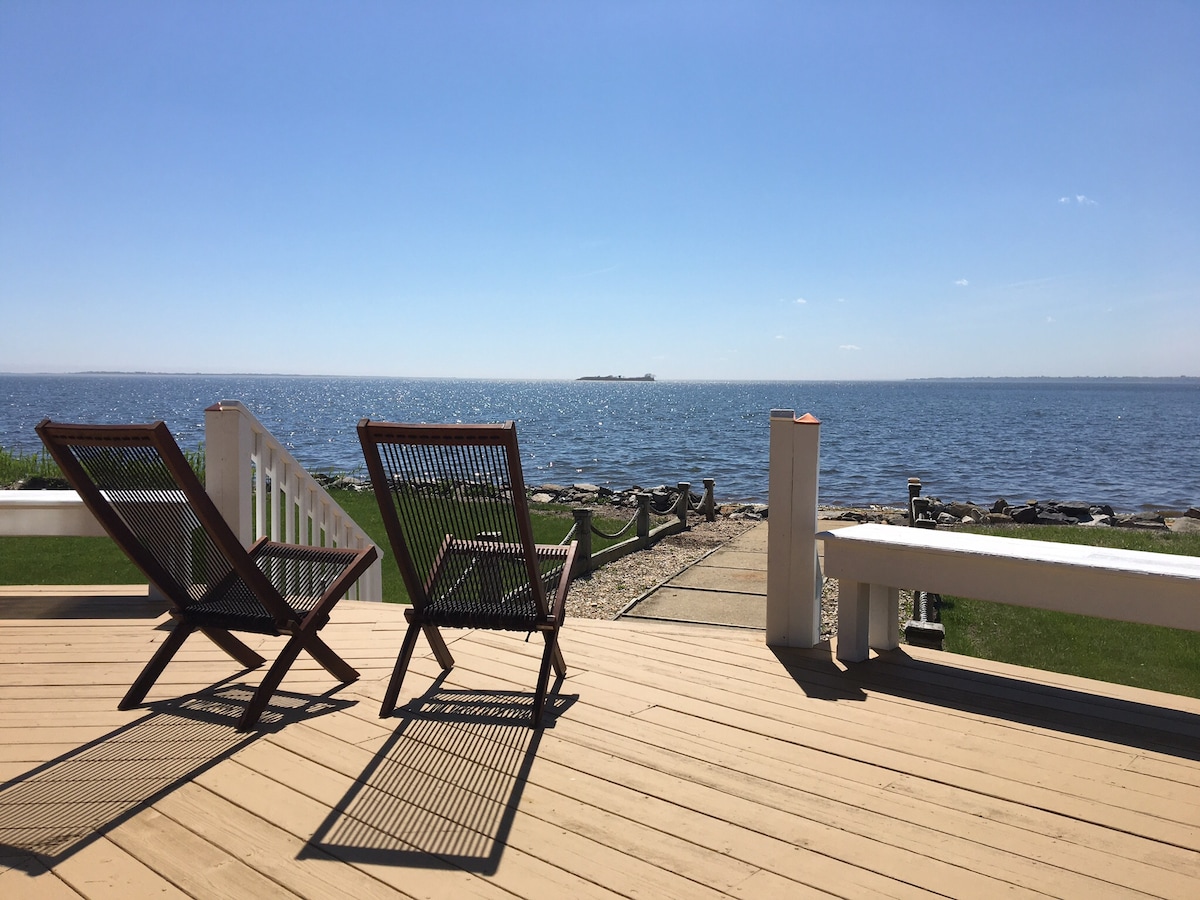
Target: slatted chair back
<point x="453" y="501"/>
<point x="459" y="520"/>
<point x="140" y="486"/>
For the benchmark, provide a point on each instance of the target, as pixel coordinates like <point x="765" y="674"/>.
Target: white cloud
<point x="780" y="337"/>
<point x="849" y="347"/>
<point x="1049" y="320"/>
<point x="962" y="282"/>
<point x="1079" y="200"/>
<point x="801" y="301"/>
<point x="841" y="299"/>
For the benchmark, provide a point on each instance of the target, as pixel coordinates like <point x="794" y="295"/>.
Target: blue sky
<point x="750" y="190"/>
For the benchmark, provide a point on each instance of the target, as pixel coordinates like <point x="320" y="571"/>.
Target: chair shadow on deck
<point x="1130" y="723"/>
<point x="444" y="788"/>
<point x="61" y="806"/>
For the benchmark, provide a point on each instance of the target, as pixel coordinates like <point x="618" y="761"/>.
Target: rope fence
<point x="683" y="503"/>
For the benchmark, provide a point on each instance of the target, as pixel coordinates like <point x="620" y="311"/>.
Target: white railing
<point x="261" y="490"/>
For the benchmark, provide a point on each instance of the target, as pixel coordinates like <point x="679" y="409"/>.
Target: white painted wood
<point x="793" y="572"/>
<point x="884" y="630"/>
<point x="1128" y="585"/>
<point x="247" y="458"/>
<point x="228" y="476"/>
<point x="46" y="513"/>
<point x="854" y="619"/>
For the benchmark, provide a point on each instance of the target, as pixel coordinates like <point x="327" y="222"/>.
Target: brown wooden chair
<point x="453" y="502"/>
<point x="138" y="483"/>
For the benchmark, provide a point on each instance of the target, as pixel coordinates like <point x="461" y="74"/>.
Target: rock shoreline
<point x="943" y="514"/>
<point x="1030" y="512"/>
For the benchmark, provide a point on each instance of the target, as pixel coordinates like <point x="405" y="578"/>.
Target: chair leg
<point x="560" y="667"/>
<point x="402" y="661"/>
<point x="551" y="656"/>
<point x="234" y="647"/>
<point x="332" y="663"/>
<point x="270" y="682"/>
<point x="138" y="690"/>
<point x="438" y="644"/>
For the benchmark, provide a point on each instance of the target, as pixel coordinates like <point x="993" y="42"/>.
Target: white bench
<point x="52" y="513"/>
<point x="872" y="562"/>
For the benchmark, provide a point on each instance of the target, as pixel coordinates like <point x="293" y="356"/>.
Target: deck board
<point x="678" y="761"/>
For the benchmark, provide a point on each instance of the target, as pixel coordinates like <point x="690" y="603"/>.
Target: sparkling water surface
<point x="1132" y="443"/>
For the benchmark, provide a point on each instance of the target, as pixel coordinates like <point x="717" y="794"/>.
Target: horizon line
<point x="149" y="373"/>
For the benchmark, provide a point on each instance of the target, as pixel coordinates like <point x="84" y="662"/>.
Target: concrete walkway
<point x="727" y="587"/>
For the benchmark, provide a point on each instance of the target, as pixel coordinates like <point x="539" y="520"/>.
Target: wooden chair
<point x="453" y="502"/>
<point x="136" y="481"/>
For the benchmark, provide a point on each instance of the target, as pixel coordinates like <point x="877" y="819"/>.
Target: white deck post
<point x="228" y="445"/>
<point x="793" y="572"/>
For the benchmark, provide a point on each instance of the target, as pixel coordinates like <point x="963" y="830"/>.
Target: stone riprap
<point x="664" y="497"/>
<point x="1031" y="512"/>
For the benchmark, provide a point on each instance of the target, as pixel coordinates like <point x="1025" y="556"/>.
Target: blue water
<point x="1134" y="444"/>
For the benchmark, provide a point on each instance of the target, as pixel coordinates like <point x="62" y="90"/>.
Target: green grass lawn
<point x="1148" y="656"/>
<point x="96" y="560"/>
<point x="65" y="560"/>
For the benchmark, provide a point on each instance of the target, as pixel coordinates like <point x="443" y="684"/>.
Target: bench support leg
<point x="853" y="619"/>
<point x="868" y="616"/>
<point x="884" y="630"/>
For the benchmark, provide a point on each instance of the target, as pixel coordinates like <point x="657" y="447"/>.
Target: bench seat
<point x="46" y="513"/>
<point x="872" y="562"/>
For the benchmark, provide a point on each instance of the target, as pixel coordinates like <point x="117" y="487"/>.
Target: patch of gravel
<point x="829" y="609"/>
<point x="613" y="587"/>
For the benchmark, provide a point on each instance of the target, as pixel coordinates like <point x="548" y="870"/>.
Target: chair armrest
<point x="558" y="606"/>
<point x="310" y="579"/>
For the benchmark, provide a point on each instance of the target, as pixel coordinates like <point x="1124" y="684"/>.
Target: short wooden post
<point x="682" y="501"/>
<point x="643" y="517"/>
<point x="914" y="491"/>
<point x="228" y="445"/>
<point x="709" y="504"/>
<point x="793" y="571"/>
<point x="583" y="535"/>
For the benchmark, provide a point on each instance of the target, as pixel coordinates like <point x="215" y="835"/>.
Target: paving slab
<point x="730" y="579"/>
<point x="681" y="604"/>
<point x="754" y="540"/>
<point x="733" y="559"/>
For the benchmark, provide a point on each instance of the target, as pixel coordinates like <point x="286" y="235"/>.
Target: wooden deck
<point x="678" y="761"/>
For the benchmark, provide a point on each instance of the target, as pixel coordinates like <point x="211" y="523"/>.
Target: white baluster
<point x="241" y="456"/>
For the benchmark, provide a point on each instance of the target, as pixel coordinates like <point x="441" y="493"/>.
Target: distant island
<point x="646" y="377"/>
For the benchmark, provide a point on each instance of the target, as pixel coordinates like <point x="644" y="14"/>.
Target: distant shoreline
<point x="960" y="379"/>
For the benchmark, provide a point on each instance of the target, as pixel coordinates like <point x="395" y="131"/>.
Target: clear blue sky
<point x="733" y="190"/>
